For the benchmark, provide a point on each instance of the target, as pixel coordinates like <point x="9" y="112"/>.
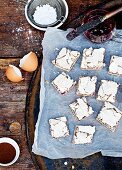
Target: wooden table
<point x="17" y="38"/>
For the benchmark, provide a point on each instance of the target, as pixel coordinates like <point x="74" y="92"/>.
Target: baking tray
<point x="93" y="162"/>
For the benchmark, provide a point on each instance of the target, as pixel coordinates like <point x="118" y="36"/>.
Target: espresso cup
<point x="9" y="150"/>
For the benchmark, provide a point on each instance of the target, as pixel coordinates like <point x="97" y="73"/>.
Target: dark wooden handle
<point x="112" y="13"/>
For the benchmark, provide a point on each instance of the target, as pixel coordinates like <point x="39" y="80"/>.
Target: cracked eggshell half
<point x="13" y="74"/>
<point x="29" y="62"/>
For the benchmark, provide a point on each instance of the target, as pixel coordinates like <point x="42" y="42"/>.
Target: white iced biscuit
<point x="107" y="91"/>
<point x="66" y="59"/>
<point x="109" y="116"/>
<point x="83" y="134"/>
<point x="81" y="109"/>
<point x="63" y="83"/>
<point x="93" y="59"/>
<point x="115" y="66"/>
<point x="86" y="86"/>
<point x="58" y="127"/>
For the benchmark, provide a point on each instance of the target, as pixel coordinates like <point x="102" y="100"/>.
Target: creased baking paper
<point x="53" y="104"/>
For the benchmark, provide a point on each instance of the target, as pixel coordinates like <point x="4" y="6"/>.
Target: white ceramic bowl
<point x="61" y="10"/>
<point x="15" y="145"/>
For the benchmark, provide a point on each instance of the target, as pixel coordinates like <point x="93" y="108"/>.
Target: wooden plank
<point x="15" y="92"/>
<point x="12" y="108"/>
<point x="17" y="36"/>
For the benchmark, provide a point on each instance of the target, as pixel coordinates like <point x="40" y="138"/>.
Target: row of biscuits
<point x="108" y="116"/>
<point x="86" y="86"/>
<point x="92" y="59"/>
<point x="82" y="134"/>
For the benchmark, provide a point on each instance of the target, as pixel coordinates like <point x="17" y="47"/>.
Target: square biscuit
<point x="66" y="59"/>
<point x="58" y="127"/>
<point x="86" y="86"/>
<point x="83" y="134"/>
<point x="109" y="116"/>
<point x="107" y="91"/>
<point x="93" y="59"/>
<point x="81" y="109"/>
<point x="115" y="66"/>
<point x="63" y="83"/>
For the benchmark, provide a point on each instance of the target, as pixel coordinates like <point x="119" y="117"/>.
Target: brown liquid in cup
<point x="7" y="153"/>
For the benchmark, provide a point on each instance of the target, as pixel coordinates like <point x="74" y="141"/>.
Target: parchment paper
<point x="53" y="104"/>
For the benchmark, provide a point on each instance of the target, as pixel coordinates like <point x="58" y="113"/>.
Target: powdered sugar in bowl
<point x="46" y="13"/>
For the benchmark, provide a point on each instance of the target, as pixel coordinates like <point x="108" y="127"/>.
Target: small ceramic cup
<point x="15" y="145"/>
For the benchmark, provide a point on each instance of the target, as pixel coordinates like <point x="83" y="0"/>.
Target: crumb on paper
<point x="46" y="81"/>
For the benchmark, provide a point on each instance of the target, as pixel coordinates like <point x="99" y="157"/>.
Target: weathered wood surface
<point x="17" y="38"/>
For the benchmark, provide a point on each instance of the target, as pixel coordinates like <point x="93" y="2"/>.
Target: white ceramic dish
<point x="15" y="145"/>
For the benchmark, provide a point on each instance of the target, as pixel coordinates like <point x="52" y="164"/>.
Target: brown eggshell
<point x="11" y="74"/>
<point x="29" y="62"/>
